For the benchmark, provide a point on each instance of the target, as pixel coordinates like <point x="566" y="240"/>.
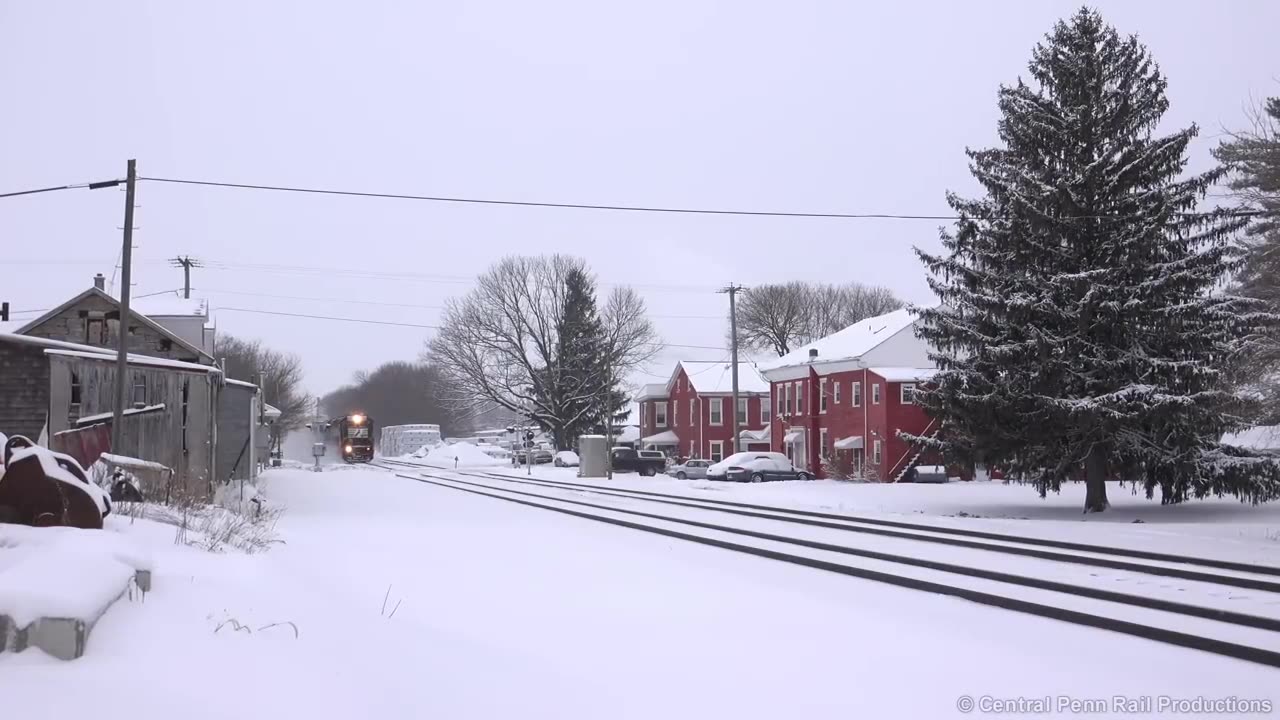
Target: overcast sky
<point x="795" y="106"/>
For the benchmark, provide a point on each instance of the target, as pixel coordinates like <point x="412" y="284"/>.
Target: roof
<point x="1262" y="437"/>
<point x="850" y="343"/>
<point x="170" y="305"/>
<point x="241" y="383"/>
<point x="905" y="374"/>
<point x="270" y="411"/>
<point x="666" y="437"/>
<point x="61" y="347"/>
<point x="651" y="391"/>
<point x="716" y="378"/>
<point x="165" y="332"/>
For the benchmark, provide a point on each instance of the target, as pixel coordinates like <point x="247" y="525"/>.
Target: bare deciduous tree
<point x="281" y="381"/>
<point x="497" y="345"/>
<point x="397" y="393"/>
<point x="782" y="317"/>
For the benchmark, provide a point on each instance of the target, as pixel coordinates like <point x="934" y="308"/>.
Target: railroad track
<point x="1222" y="631"/>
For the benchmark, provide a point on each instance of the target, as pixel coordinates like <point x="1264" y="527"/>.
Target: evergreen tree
<point x="1254" y="160"/>
<point x="588" y="384"/>
<point x="1079" y="333"/>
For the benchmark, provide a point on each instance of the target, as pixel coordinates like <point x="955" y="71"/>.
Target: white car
<point x="756" y="467"/>
<point x="566" y="458"/>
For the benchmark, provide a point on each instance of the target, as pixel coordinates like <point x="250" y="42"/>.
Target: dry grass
<point x="249" y="528"/>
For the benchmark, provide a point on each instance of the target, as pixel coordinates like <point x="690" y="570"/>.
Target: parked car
<point x="756" y="467"/>
<point x="696" y="469"/>
<point x="566" y="458"/>
<point x="539" y="456"/>
<point x="645" y="462"/>
<point x="926" y="474"/>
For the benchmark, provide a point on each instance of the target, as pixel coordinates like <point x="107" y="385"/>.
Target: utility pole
<point x="732" y="291"/>
<point x="122" y="354"/>
<point x="186" y="263"/>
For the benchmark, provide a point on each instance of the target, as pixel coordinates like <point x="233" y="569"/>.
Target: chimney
<point x="813" y="354"/>
<point x="100" y="281"/>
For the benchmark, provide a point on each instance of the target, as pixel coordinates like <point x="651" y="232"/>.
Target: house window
<point x="693" y="448"/>
<point x="800" y="398"/>
<point x="835" y="391"/>
<point x="717" y="450"/>
<point x="742" y="411"/>
<point x="822" y="443"/>
<point x="875" y="452"/>
<point x="95" y="331"/>
<point x="857" y="394"/>
<point x="822" y="396"/>
<point x="660" y="414"/>
<point x="908" y="394"/>
<point x="139" y="390"/>
<point x="764" y="412"/>
<point x="675" y="411"/>
<point x="779" y="400"/>
<point x="875" y="393"/>
<point x="790" y="407"/>
<point x="693" y="406"/>
<point x="717" y="411"/>
<point x="75" y="389"/>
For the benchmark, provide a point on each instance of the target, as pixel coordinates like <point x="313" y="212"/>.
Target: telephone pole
<point x="122" y="354"/>
<point x="732" y="291"/>
<point x="186" y="263"/>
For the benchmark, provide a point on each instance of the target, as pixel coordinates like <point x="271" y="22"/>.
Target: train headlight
<point x="357" y="419"/>
<point x="347" y="449"/>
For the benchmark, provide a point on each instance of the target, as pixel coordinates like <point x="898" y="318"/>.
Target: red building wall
<point x="695" y="431"/>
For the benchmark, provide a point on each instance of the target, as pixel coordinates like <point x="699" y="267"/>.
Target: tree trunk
<point x="1095" y="480"/>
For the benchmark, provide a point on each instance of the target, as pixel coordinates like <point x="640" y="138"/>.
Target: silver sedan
<point x="696" y="469"/>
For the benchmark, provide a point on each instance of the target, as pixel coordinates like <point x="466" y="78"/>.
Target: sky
<point x="803" y="106"/>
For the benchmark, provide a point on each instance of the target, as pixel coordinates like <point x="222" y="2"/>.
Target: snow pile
<point x="461" y="455"/>
<point x="63" y="572"/>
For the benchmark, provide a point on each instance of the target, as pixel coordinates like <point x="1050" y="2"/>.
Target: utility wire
<point x="402" y="324"/>
<point x="627" y="208"/>
<point x="90" y="185"/>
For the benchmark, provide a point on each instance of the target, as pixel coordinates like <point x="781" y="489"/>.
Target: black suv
<point x="645" y="462"/>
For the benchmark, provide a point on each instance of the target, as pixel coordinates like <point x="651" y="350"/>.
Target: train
<point x="355" y="437"/>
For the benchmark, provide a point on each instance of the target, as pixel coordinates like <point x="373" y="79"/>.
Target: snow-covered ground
<point x="416" y="601"/>
<point x="1216" y="527"/>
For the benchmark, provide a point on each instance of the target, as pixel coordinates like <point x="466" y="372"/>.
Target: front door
<point x="799" y="457"/>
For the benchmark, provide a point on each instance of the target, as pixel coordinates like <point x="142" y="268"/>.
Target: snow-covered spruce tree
<point x="1079" y="331"/>
<point x="1253" y="157"/>
<point x="583" y="361"/>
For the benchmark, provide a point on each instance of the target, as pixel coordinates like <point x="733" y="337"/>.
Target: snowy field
<point x="416" y="601"/>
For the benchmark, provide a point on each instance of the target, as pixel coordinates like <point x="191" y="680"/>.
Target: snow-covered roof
<point x="89" y="419"/>
<point x="1262" y="437"/>
<point x="136" y="360"/>
<point x="848" y="344"/>
<point x="241" y="383"/>
<point x="272" y="411"/>
<point x="905" y="374"/>
<point x="651" y="391"/>
<point x="666" y="437"/>
<point x="170" y="305"/>
<point x="629" y="433"/>
<point x="135" y="312"/>
<point x="757" y="435"/>
<point x="716" y="378"/>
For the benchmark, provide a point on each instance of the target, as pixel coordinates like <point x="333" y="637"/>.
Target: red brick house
<point x="689" y="416"/>
<point x="852" y="392"/>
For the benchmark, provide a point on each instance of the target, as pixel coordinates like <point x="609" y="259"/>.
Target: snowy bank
<point x="461" y="455"/>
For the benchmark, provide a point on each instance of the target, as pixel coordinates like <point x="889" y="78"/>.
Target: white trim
<point x="660" y="406"/>
<point x="905" y="397"/>
<point x="856" y="390"/>
<point x="876" y="458"/>
<point x="675" y="411"/>
<point x="800" y="397"/>
<point x="875" y="393"/>
<point x="822" y="396"/>
<point x="745" y="405"/>
<point x="822" y="443"/>
<point x="835" y="393"/>
<point x="711" y="454"/>
<point x="714" y="404"/>
<point x="765" y="418"/>
<point x="693" y="410"/>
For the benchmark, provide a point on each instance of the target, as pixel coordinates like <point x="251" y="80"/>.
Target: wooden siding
<point x="72" y="325"/>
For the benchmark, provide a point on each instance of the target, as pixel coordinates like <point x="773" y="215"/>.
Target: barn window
<point x="166" y="344"/>
<point x="139" y="390"/>
<point x="95" y="331"/>
<point x="75" y="389"/>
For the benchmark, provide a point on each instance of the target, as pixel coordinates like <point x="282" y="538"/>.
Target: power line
<point x="630" y="208"/>
<point x="402" y="324"/>
<point x="75" y="186"/>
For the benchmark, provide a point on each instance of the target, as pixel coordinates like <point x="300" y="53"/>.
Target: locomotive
<point x="355" y="437"/>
